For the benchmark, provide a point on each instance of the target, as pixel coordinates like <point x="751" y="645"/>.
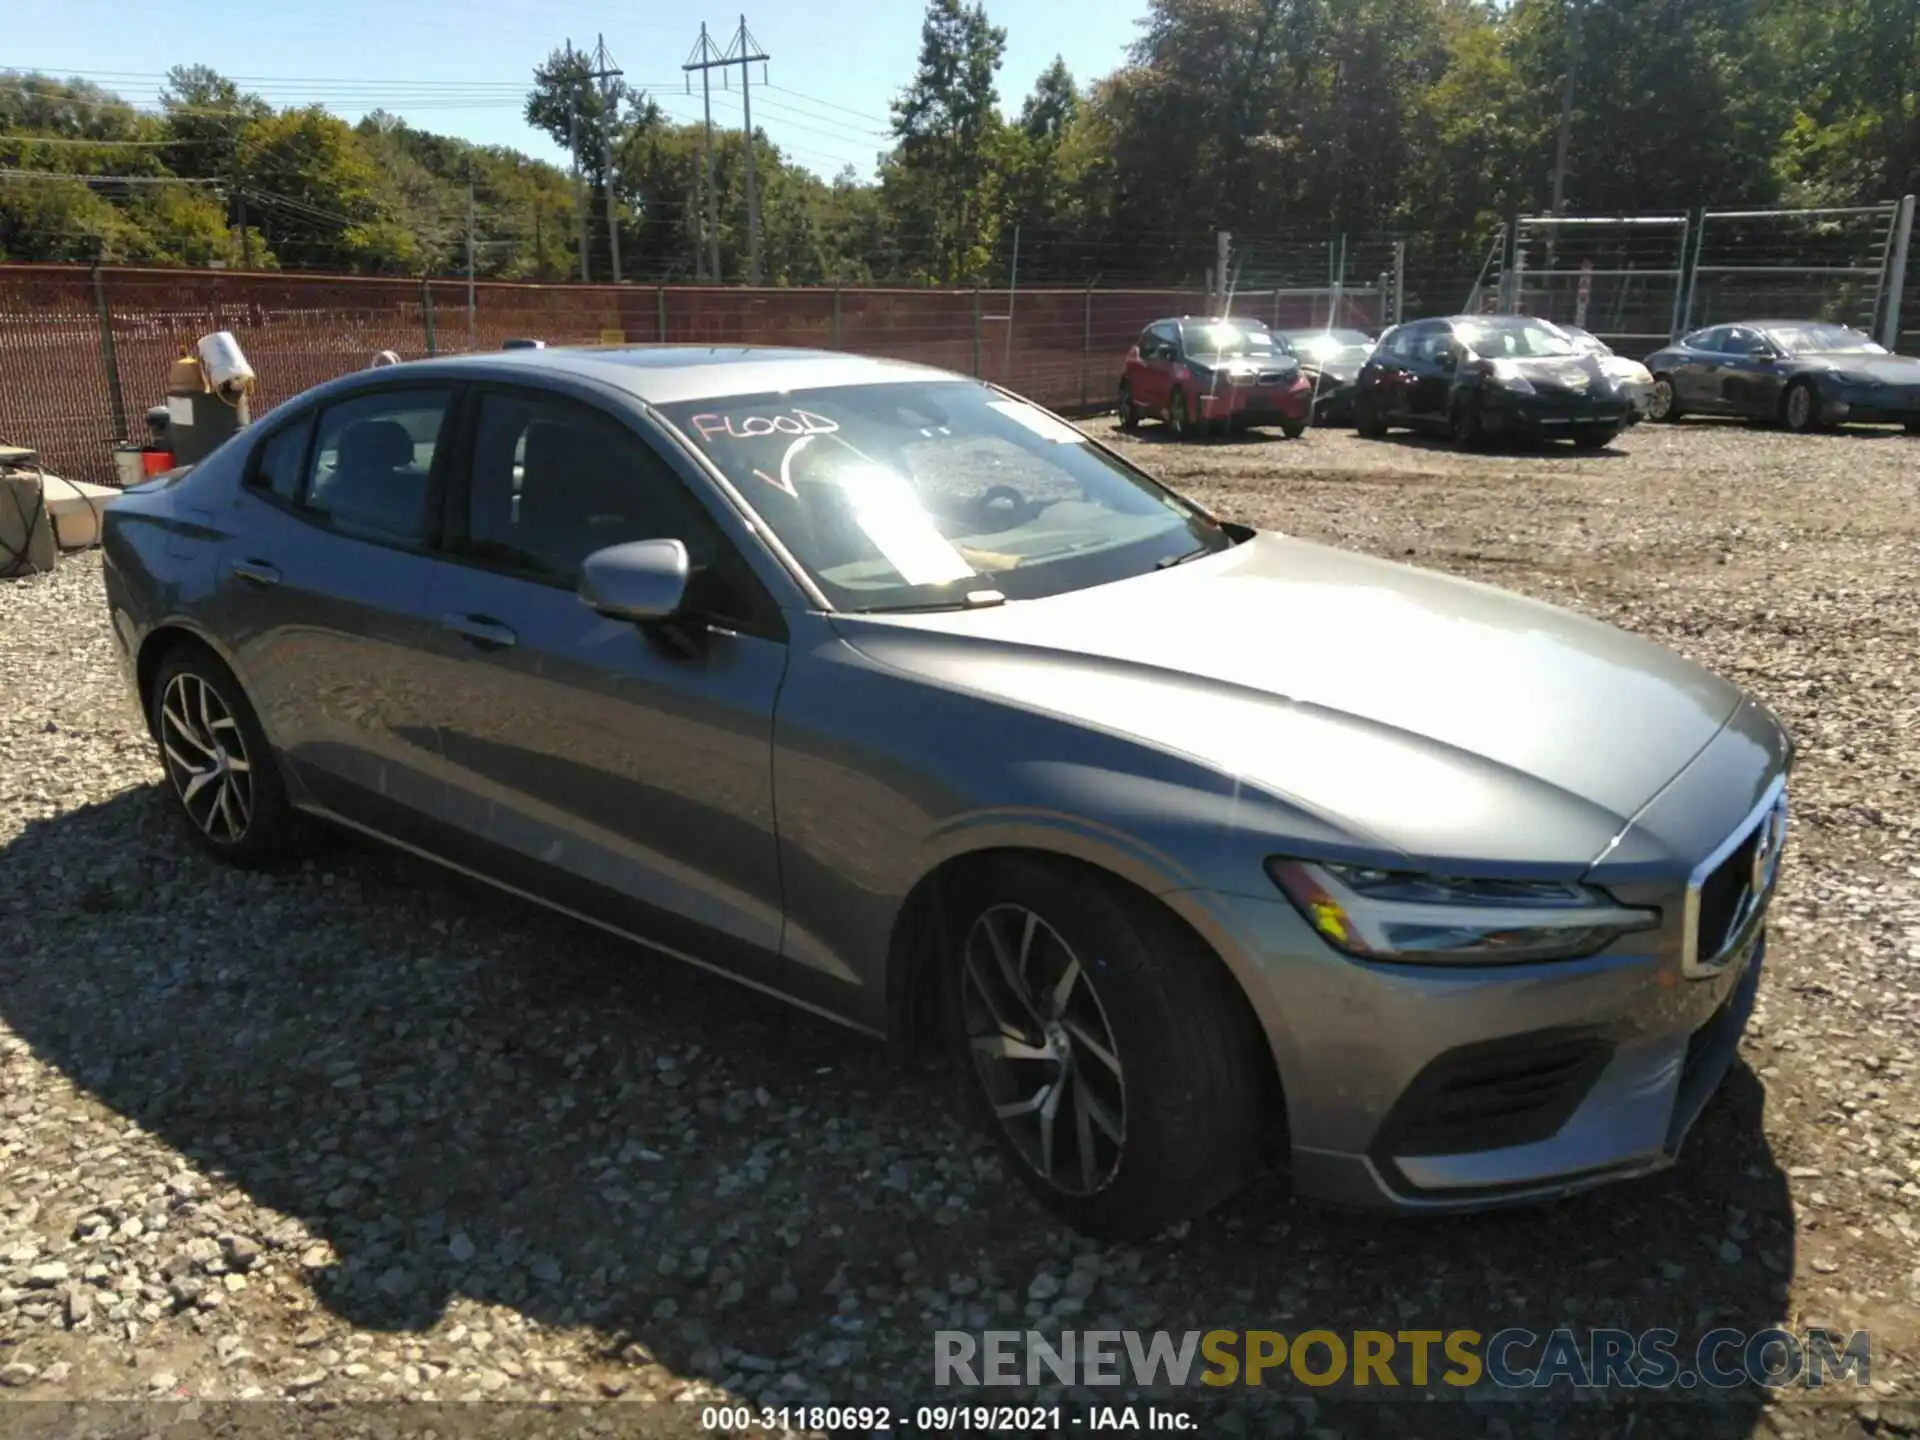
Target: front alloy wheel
<point x="1660" y="405"/>
<point x="1043" y="1050"/>
<point x="1105" y="1049"/>
<point x="1802" y="408"/>
<point x="206" y="758"/>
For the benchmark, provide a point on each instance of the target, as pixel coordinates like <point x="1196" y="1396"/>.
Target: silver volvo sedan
<point x="887" y="692"/>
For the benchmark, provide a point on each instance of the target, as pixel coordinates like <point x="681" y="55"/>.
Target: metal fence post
<point x="426" y="316"/>
<point x="1680" y="283"/>
<point x="1399" y="279"/>
<point x="109" y="356"/>
<point x="836" y="317"/>
<point x="1690" y="269"/>
<point x="660" y="314"/>
<point x="1086" y="342"/>
<point x="1899" y="240"/>
<point x="976" y="332"/>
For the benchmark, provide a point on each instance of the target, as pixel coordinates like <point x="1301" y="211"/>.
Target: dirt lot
<point x="363" y="1131"/>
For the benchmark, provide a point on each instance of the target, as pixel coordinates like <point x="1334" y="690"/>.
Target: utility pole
<point x="579" y="195"/>
<point x="470" y="296"/>
<point x="704" y="56"/>
<point x="744" y="51"/>
<point x="605" y="71"/>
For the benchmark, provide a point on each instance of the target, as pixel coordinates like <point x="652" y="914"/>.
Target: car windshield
<point x="1331" y="346"/>
<point x="1824" y="340"/>
<point x="1514" y="338"/>
<point x="921" y="494"/>
<point x="1586" y="341"/>
<point x="1230" y="341"/>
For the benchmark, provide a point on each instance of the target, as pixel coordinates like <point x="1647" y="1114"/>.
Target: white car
<point x="1632" y="376"/>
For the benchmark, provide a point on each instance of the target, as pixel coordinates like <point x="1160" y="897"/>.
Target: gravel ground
<point x="362" y="1131"/>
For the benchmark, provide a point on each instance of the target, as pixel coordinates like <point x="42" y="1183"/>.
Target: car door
<point x="1138" y="372"/>
<point x="1434" y="363"/>
<point x="1392" y="367"/>
<point x="327" y="588"/>
<point x="1749" y="374"/>
<point x="1696" y="378"/>
<point x="623" y="772"/>
<point x="1160" y="354"/>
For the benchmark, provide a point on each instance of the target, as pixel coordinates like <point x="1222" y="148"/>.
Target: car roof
<point x="1773" y="325"/>
<point x="1253" y="321"/>
<point x="670" y="374"/>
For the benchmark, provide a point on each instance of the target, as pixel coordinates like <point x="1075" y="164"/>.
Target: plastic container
<point x="155" y="462"/>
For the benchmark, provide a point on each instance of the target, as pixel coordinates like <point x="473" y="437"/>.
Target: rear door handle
<point x="482" y="630"/>
<point x="258" y="571"/>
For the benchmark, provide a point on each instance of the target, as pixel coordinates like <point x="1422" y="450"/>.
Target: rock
<point x="460" y="1247"/>
<point x="1045" y="1286"/>
<point x="18" y="1373"/>
<point x="1729" y="1252"/>
<point x="48" y="1275"/>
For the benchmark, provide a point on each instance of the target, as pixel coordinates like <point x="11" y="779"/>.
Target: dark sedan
<point x="1331" y="361"/>
<point x="1476" y="377"/>
<point x="1804" y="374"/>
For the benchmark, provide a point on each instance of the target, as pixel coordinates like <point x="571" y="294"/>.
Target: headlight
<point x="1632" y="374"/>
<point x="1411" y="918"/>
<point x="1508" y="377"/>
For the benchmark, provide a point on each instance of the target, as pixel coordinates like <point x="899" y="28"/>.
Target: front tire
<point x="1179" y="420"/>
<point x="223" y="776"/>
<point x="1106" y="1049"/>
<point x="1800" y="408"/>
<point x="1129" y="412"/>
<point x="1368" y="422"/>
<point x="1465" y="426"/>
<point x="1293" y="429"/>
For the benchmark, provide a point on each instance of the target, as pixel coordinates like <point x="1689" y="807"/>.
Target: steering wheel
<point x="1003" y="503"/>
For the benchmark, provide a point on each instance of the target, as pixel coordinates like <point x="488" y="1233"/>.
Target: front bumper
<point x="1258" y="404"/>
<point x="1432" y="1087"/>
<point x="1874" y="405"/>
<point x="1508" y="412"/>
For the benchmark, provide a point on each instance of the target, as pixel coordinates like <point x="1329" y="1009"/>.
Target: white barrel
<point x="226" y="366"/>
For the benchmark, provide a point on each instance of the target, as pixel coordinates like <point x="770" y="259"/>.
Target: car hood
<point x="1888" y="369"/>
<point x="1344" y="372"/>
<point x="1569" y="372"/>
<point x="1246" y="364"/>
<point x="1433" y="715"/>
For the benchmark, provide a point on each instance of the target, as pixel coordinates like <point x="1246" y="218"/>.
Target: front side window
<point x="897" y="496"/>
<point x="372" y="465"/>
<point x="555" y="480"/>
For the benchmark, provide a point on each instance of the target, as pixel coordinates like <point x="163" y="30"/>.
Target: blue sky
<point x="461" y="66"/>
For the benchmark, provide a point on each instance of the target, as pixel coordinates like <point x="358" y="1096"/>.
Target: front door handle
<point x="258" y="571"/>
<point x="482" y="630"/>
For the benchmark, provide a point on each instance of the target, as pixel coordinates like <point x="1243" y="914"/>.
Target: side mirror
<point x="1763" y="352"/>
<point x="643" y="581"/>
<point x="1447" y="359"/>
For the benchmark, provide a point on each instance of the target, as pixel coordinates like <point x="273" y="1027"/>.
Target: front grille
<point x="1495" y="1094"/>
<point x="1723" y="897"/>
<point x="1272" y="377"/>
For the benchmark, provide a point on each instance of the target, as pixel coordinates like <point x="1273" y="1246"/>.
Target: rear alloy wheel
<point x="1129" y="412"/>
<point x="1106" y="1050"/>
<point x="1178" y="418"/>
<point x="1800" y="408"/>
<point x="1663" y="404"/>
<point x="224" y="779"/>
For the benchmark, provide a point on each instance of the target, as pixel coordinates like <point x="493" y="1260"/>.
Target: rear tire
<point x="1129" y="412"/>
<point x="1105" y="1048"/>
<point x="1913" y="427"/>
<point x="224" y="778"/>
<point x="1594" y="439"/>
<point x="1800" y="408"/>
<point x="1664" y="405"/>
<point x="1293" y="429"/>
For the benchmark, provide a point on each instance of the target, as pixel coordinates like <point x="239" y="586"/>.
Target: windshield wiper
<point x="1173" y="560"/>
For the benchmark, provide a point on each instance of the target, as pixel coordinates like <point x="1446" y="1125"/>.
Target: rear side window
<point x="373" y="463"/>
<point x="279" y="466"/>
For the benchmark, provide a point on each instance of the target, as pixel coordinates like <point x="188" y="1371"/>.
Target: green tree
<point x="946" y="124"/>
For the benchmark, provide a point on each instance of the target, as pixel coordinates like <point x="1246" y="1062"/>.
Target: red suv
<point x="1202" y="374"/>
